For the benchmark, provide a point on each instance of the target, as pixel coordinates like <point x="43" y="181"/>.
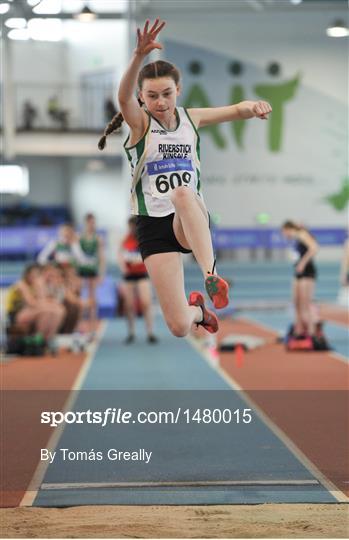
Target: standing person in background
<point x="29" y="115"/>
<point x="63" y="250"/>
<point x="305" y="276"/>
<point x="55" y="111"/>
<point x="164" y="154"/>
<point x="136" y="284"/>
<point x="92" y="271"/>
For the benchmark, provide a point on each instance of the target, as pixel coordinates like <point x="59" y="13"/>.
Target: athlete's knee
<point x="181" y="195"/>
<point x="177" y="328"/>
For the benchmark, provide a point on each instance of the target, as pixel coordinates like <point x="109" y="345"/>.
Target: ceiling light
<point x="16" y="22"/>
<point x="85" y="15"/>
<point x="21" y="34"/>
<point x="45" y="29"/>
<point x="296" y="2"/>
<point x="4" y="8"/>
<point x="337" y="29"/>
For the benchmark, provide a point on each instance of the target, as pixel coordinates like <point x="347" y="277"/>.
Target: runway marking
<point x="322" y="479"/>
<point x="40" y="471"/>
<point x="203" y="483"/>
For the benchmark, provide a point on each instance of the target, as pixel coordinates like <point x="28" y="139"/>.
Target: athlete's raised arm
<point x="240" y="111"/>
<point x="133" y="114"/>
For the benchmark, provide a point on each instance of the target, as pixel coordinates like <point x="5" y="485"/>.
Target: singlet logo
<point x="159" y="131"/>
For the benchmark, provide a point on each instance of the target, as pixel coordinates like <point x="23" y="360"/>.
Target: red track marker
<point x="239" y="355"/>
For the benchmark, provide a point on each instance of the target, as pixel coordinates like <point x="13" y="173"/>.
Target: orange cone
<point x="239" y="355"/>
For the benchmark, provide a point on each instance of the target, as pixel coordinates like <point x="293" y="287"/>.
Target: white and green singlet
<point x="161" y="161"/>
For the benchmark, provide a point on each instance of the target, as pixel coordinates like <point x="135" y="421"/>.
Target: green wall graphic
<point x="277" y="94"/>
<point x="197" y="97"/>
<point x="294" y="164"/>
<point x="340" y="200"/>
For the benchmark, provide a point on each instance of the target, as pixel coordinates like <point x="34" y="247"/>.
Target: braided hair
<point x="155" y="70"/>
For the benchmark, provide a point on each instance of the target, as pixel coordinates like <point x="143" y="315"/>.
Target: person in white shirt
<point x="164" y="155"/>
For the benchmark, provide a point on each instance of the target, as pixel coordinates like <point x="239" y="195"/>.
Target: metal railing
<point x="63" y="107"/>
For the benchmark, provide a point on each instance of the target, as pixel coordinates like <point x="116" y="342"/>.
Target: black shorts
<point x="308" y="272"/>
<point x="156" y="235"/>
<point x="134" y="277"/>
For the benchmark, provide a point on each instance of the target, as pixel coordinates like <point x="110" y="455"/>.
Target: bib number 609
<point x="163" y="182"/>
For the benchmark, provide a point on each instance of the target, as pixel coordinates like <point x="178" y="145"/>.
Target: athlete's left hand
<point x="261" y="109"/>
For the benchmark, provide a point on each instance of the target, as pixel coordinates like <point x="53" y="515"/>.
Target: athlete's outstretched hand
<point x="146" y="39"/>
<point x="261" y="109"/>
<point x="254" y="109"/>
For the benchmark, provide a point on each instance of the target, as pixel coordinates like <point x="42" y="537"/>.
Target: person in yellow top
<point x="29" y="309"/>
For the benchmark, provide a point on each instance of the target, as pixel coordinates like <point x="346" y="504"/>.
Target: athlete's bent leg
<point x="191" y="228"/>
<point x="166" y="273"/>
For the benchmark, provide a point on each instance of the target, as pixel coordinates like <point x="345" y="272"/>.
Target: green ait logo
<point x="339" y="200"/>
<point x="277" y="94"/>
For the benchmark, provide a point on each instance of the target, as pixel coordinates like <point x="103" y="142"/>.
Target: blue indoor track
<point x="192" y="463"/>
<point x="259" y="466"/>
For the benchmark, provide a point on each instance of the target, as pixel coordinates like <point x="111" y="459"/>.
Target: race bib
<point x="168" y="174"/>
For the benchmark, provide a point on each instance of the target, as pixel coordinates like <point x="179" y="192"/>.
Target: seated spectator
<point x="73" y="299"/>
<point x="58" y="286"/>
<point x="29" y="310"/>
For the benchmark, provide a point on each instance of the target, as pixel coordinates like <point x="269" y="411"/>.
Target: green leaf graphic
<point x="340" y="199"/>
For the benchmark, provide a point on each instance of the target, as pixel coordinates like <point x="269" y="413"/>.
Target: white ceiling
<point x="144" y="8"/>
